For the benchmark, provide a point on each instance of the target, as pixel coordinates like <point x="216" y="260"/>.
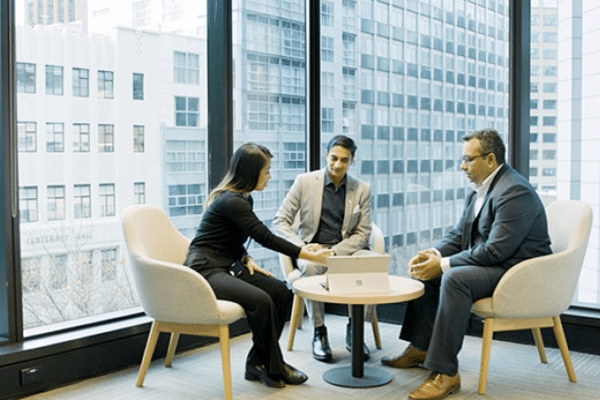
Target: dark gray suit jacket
<point x="511" y="226"/>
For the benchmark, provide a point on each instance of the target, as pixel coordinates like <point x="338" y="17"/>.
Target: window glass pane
<point x="99" y="100"/>
<point x="566" y="139"/>
<point x="407" y="101"/>
<point x="271" y="96"/>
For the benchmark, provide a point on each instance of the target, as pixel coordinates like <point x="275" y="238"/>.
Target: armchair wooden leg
<point x="488" y="333"/>
<point x="148" y="351"/>
<point x="225" y="360"/>
<point x="564" y="348"/>
<point x="375" y="326"/>
<point x="539" y="342"/>
<point x="171" y="349"/>
<point x="297" y="314"/>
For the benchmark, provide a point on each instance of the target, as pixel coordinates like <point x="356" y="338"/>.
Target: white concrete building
<point x="99" y="129"/>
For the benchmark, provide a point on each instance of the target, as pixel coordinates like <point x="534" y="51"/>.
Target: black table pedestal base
<point x="342" y="376"/>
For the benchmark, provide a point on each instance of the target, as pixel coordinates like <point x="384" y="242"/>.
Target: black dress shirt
<point x="332" y="213"/>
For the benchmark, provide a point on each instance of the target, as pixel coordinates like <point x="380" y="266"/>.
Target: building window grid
<point x="187" y="111"/>
<point x="139" y="193"/>
<point x="326" y="13"/>
<point x="184" y="156"/>
<point x="142" y="13"/>
<point x="138" y="86"/>
<point x="294" y="40"/>
<point x="82" y="201"/>
<point x="172" y="10"/>
<point x="105" y="84"/>
<point x="327" y="47"/>
<point x="61" y="11"/>
<point x="81" y="138"/>
<point x="349" y="16"/>
<point x="27" y="137"/>
<point x="54" y="80"/>
<point x="327" y="120"/>
<point x="185" y="199"/>
<point x="293" y="80"/>
<point x="107" y="199"/>
<point x="56" y="203"/>
<point x="28" y="204"/>
<point x="293" y="115"/>
<point x="294" y="156"/>
<point x="349" y="83"/>
<point x="26" y="77"/>
<point x="81" y="82"/>
<point x="186" y="68"/>
<point x="138" y="138"/>
<point x="349" y="55"/>
<point x="55" y="137"/>
<point x="349" y="118"/>
<point x="106" y="138"/>
<point x="327" y="84"/>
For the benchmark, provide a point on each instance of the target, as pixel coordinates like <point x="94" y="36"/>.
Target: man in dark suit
<point x="503" y="223"/>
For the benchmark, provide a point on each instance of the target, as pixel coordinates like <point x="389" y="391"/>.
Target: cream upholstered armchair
<point x="177" y="298"/>
<point x="533" y="293"/>
<point x="291" y="273"/>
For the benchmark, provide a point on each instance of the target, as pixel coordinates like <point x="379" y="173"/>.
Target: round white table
<point x="401" y="289"/>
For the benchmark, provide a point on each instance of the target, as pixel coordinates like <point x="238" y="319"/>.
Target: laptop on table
<point x="358" y="274"/>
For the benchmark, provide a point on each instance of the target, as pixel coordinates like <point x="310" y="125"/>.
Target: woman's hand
<point x="312" y="247"/>
<point x="320" y="256"/>
<point x="253" y="267"/>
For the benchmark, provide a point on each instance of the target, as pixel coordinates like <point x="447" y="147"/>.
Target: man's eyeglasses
<point x="470" y="159"/>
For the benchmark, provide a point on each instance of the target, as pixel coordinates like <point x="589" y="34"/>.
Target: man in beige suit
<point x="330" y="209"/>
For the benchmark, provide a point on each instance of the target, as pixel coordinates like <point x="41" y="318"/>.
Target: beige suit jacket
<point x="298" y="218"/>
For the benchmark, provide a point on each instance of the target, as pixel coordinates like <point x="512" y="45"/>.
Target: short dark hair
<point x="490" y="142"/>
<point x="344" y="141"/>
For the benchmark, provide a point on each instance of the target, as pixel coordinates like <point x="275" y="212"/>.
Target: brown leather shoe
<point x="436" y="387"/>
<point x="411" y="357"/>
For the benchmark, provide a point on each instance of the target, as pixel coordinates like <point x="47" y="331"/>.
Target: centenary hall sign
<point x="58" y="238"/>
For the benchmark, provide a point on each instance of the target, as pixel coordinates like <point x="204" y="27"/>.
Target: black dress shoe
<point x="366" y="351"/>
<point x="259" y="373"/>
<point x="292" y="376"/>
<point x="321" y="349"/>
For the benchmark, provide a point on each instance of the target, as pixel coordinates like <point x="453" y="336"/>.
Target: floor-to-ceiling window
<point x="269" y="96"/>
<point x="565" y="143"/>
<point x="406" y="80"/>
<point x="111" y="111"/>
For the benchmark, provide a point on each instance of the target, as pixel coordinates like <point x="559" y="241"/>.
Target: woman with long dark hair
<point x="217" y="252"/>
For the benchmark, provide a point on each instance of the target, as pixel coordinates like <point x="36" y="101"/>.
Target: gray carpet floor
<point x="515" y="372"/>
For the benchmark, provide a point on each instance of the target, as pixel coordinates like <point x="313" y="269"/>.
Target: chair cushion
<point x="229" y="311"/>
<point x="483" y="308"/>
